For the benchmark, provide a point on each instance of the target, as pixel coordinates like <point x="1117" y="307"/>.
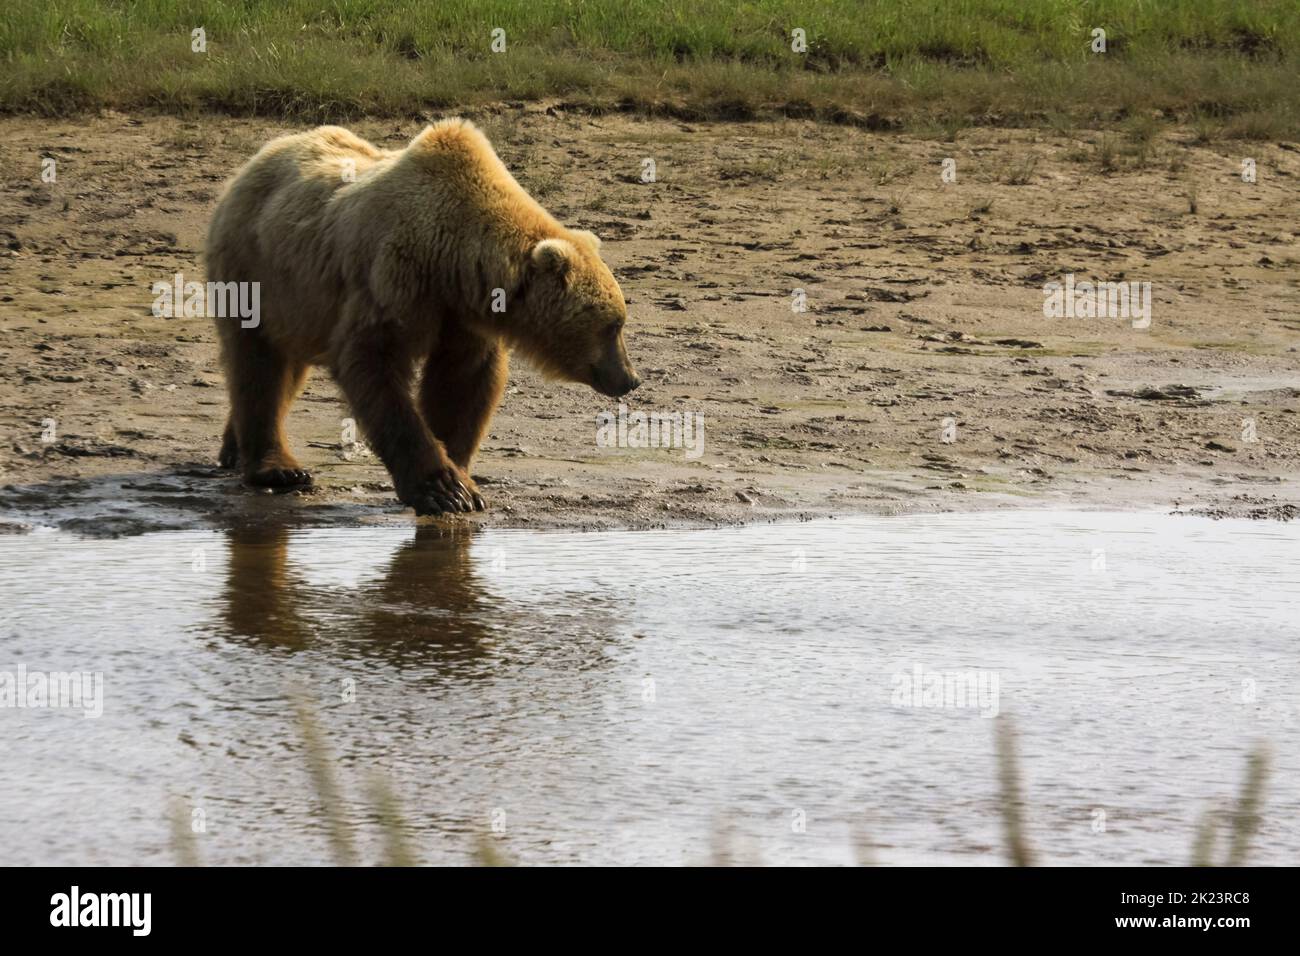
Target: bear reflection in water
<point x="428" y="598"/>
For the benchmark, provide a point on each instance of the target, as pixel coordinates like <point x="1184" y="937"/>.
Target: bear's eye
<point x="614" y="327"/>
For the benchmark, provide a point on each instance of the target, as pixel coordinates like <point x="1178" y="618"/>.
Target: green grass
<point x="933" y="65"/>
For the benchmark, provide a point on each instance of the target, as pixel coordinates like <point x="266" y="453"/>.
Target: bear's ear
<point x="554" y="255"/>
<point x="590" y="238"/>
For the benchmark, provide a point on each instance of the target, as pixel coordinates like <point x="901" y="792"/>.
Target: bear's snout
<point x="615" y="385"/>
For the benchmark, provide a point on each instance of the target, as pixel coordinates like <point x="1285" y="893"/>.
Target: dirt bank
<point x="924" y="323"/>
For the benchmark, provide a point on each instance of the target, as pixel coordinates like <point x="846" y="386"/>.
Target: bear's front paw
<point x="446" y="491"/>
<point x="280" y="478"/>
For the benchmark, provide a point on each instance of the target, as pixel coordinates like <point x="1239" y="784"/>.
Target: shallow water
<point x="657" y="697"/>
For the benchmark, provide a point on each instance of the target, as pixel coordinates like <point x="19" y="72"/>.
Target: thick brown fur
<point x="430" y="255"/>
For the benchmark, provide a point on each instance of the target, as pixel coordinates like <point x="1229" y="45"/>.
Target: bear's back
<point x="274" y="207"/>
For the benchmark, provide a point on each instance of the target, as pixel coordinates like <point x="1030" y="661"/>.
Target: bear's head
<point x="576" y="315"/>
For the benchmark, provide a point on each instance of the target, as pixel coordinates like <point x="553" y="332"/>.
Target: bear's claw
<point x="434" y="505"/>
<point x="280" y="478"/>
<point x="445" y="494"/>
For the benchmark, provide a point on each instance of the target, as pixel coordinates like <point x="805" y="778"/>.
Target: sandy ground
<point x="924" y="305"/>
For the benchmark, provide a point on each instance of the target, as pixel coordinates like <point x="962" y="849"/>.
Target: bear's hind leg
<point x="262" y="385"/>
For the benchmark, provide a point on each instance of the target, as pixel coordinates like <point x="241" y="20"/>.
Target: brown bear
<point x="369" y="261"/>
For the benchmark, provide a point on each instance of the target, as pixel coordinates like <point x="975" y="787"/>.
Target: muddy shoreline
<point x="923" y="376"/>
